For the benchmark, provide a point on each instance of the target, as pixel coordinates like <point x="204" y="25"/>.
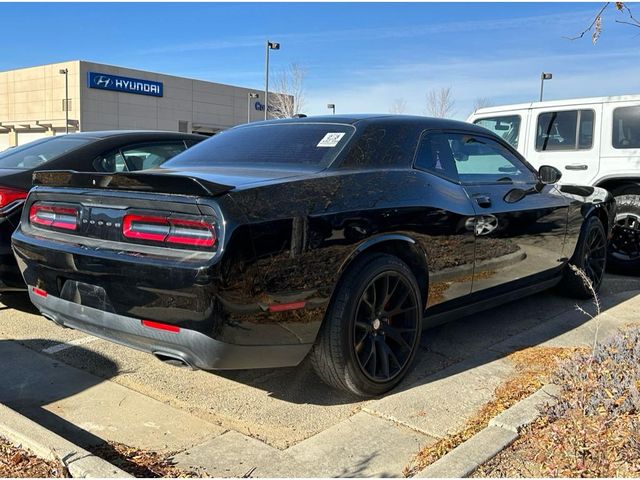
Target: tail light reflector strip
<point x="161" y="326"/>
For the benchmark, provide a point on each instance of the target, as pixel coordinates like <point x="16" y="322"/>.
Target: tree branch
<point x="595" y="20"/>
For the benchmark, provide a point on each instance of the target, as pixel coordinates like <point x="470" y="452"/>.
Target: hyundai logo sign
<point x="116" y="83"/>
<point x="260" y="107"/>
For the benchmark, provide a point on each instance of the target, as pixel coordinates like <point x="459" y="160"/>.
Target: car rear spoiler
<point x="136" y="181"/>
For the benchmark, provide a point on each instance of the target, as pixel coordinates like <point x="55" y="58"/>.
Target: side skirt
<point x="488" y="302"/>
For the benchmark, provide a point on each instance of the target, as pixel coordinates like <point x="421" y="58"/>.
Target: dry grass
<point x="533" y="367"/>
<point x="141" y="463"/>
<point x="594" y="429"/>
<point x="18" y="463"/>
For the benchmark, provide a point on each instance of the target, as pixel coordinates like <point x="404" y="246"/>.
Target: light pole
<point x="65" y="72"/>
<point x="543" y="77"/>
<point x="250" y="95"/>
<point x="270" y="46"/>
<point x="332" y="106"/>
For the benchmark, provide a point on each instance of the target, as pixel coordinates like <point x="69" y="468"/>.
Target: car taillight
<point x="195" y="233"/>
<point x="10" y="195"/>
<point x="65" y="218"/>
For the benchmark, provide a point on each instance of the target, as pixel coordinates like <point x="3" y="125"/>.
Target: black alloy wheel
<point x="590" y="257"/>
<point x="385" y="327"/>
<point x="372" y="328"/>
<point x="595" y="256"/>
<point x="625" y="242"/>
<point x="624" y="247"/>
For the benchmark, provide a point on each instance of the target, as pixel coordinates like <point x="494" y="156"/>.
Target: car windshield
<point x="280" y="145"/>
<point x="39" y="152"/>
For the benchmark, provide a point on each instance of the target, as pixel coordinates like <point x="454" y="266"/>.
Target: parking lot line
<point x="63" y="346"/>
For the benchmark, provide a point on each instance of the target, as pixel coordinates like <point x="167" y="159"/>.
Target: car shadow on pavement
<point x="18" y="301"/>
<point x="452" y="348"/>
<point x="32" y="383"/>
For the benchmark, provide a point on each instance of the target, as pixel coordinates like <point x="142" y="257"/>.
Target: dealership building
<point x="33" y="102"/>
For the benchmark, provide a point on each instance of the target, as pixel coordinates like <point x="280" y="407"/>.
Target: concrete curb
<point x="26" y="433"/>
<point x="486" y="444"/>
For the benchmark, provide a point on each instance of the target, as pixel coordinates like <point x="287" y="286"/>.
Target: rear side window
<point x="507" y="127"/>
<point x="383" y="146"/>
<point x="277" y="144"/>
<point x="434" y="155"/>
<point x="566" y="130"/>
<point x="626" y="127"/>
<point x="39" y="152"/>
<point x="138" y="157"/>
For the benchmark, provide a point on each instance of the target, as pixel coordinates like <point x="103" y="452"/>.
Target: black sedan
<point x="334" y="237"/>
<point x="114" y="151"/>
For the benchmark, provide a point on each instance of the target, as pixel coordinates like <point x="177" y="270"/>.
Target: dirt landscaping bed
<point x="18" y="463"/>
<point x="534" y="367"/>
<point x="594" y="429"/>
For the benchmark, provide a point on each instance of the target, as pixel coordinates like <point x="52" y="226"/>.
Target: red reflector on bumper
<point x="160" y="326"/>
<point x="283" y="307"/>
<point x="40" y="292"/>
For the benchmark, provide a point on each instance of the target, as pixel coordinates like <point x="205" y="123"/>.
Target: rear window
<point x="39" y="152"/>
<point x="506" y="127"/>
<point x="304" y="144"/>
<point x="626" y="127"/>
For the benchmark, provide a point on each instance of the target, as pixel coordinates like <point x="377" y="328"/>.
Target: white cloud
<point x="503" y="80"/>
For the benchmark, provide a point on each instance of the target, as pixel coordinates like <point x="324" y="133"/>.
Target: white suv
<point x="592" y="141"/>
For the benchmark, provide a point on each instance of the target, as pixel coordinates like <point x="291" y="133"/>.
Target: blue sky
<point x="359" y="56"/>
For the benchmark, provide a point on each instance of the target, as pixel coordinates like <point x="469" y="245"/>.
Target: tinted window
<point x="568" y="130"/>
<point x="383" y="146"/>
<point x="506" y="127"/>
<point x="626" y="127"/>
<point x="476" y="159"/>
<point x="435" y="155"/>
<point x="305" y="144"/>
<point x="138" y="157"/>
<point x="39" y="152"/>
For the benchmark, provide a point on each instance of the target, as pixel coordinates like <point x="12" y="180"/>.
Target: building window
<point x="64" y="105"/>
<point x="626" y="127"/>
<point x="567" y="130"/>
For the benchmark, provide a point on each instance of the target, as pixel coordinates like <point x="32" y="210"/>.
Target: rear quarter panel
<point x="306" y="233"/>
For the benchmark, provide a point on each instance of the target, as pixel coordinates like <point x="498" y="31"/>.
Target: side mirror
<point x="549" y="175"/>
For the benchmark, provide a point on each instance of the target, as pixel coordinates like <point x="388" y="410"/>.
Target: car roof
<point x="132" y="133"/>
<point x="365" y="119"/>
<point x="555" y="103"/>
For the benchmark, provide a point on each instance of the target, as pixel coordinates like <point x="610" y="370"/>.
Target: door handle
<point x="483" y="201"/>
<point x="576" y="167"/>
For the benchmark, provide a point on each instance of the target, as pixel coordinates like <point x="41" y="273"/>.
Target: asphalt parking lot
<point x="285" y="406"/>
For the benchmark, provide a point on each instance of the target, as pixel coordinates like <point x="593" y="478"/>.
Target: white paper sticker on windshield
<point x="331" y="139"/>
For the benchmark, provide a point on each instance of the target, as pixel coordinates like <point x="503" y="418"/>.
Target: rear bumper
<point x="193" y="348"/>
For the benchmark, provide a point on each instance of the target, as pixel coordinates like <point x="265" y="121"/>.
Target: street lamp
<point x="270" y="46"/>
<point x="250" y="95"/>
<point x="332" y="106"/>
<point x="65" y="72"/>
<point x="543" y="77"/>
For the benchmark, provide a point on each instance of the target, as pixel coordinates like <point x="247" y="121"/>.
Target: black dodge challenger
<point x="337" y="238"/>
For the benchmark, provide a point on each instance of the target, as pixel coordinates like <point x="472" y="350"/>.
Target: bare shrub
<point x="440" y="103"/>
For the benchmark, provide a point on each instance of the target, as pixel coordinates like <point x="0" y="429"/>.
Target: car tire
<point x="363" y="347"/>
<point x="590" y="256"/>
<point x="624" y="248"/>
